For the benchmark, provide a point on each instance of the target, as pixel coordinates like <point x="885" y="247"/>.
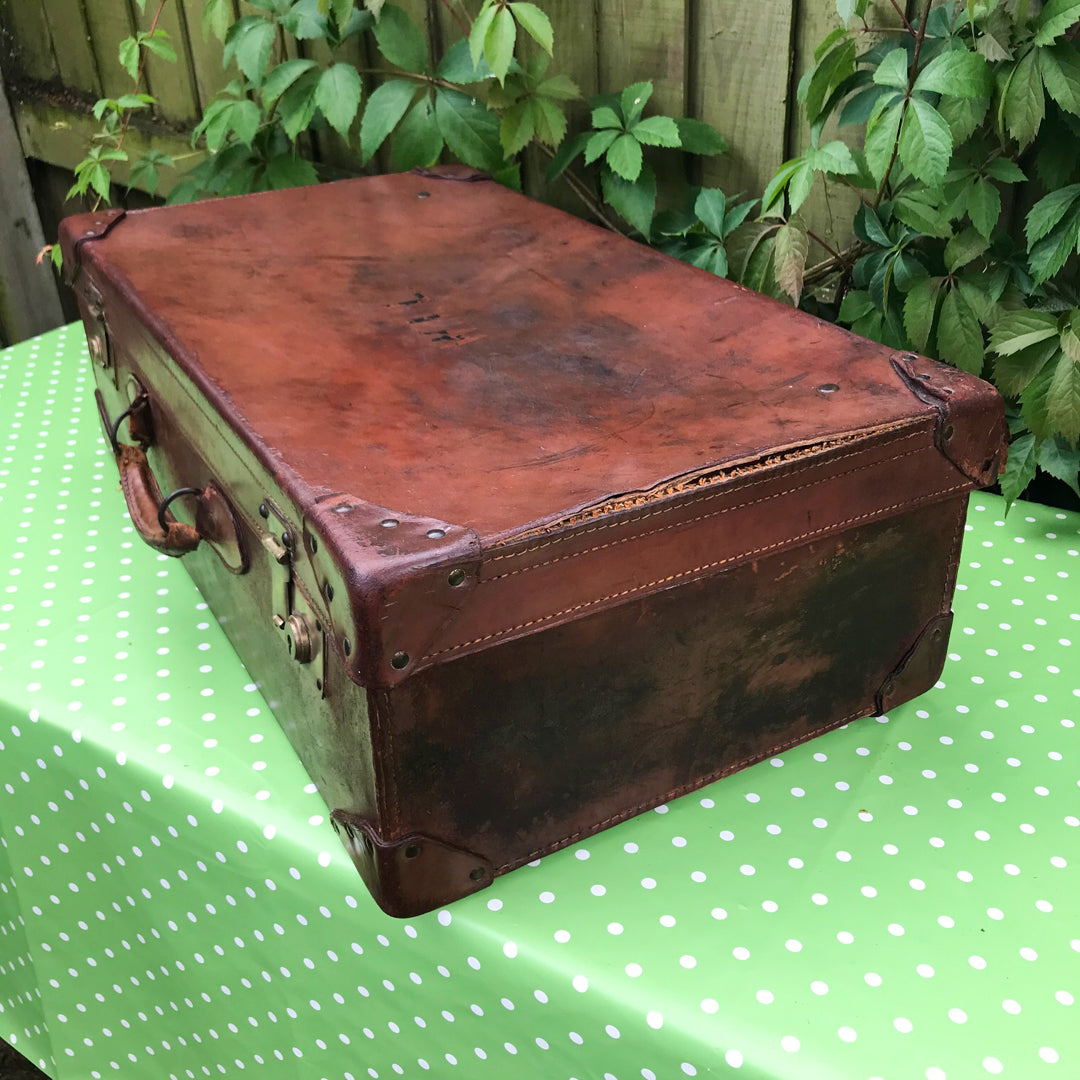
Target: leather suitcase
<point x="521" y="527"/>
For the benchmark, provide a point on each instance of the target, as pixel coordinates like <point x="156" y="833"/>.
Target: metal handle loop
<point x="114" y="430"/>
<point x="168" y="499"/>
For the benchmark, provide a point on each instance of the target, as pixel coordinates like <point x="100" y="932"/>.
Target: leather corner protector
<point x="920" y="667"/>
<point x="93" y="226"/>
<point x="413" y="874"/>
<point x="402" y="580"/>
<point x="971" y="431"/>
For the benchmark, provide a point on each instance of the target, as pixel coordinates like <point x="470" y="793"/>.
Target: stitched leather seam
<point x="693" y="520"/>
<point x="683" y="789"/>
<point x="622" y="523"/>
<point x="698" y="569"/>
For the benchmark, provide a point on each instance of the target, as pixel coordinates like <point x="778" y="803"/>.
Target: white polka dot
<point x="992" y="1065"/>
<point x="710" y="1006"/>
<point x="903" y="1025"/>
<point x="734" y="1059"/>
<point x="654" y="1019"/>
<point x="790" y="1044"/>
<point x="1048" y="1054"/>
<point x="847" y="1034"/>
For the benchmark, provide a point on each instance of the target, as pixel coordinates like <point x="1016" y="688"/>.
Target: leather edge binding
<point x="95" y="226"/>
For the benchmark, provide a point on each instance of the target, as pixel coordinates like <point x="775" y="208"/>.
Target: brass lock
<point x="298" y="638"/>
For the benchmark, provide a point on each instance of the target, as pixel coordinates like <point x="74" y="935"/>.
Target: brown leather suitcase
<point x="521" y="527"/>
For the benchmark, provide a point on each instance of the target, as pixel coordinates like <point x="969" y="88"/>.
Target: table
<point x="897" y="899"/>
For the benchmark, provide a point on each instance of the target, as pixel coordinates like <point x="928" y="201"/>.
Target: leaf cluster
<point x="967" y="113"/>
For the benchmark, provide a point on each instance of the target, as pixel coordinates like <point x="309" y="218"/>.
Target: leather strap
<point x="143" y="497"/>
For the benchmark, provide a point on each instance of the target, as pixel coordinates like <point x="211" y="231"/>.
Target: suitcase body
<point x="521" y="528"/>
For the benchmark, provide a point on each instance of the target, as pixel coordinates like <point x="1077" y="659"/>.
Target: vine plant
<point x="484" y="101"/>
<point x="957" y="107"/>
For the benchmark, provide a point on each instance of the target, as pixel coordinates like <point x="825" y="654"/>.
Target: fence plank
<point x="172" y="83"/>
<point x="75" y="58"/>
<point x="109" y="23"/>
<point x="206" y="54"/>
<point x="741" y="66"/>
<point x="29" y="303"/>
<point x="27" y="42"/>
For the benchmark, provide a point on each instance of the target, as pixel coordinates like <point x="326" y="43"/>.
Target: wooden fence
<point x="734" y="63"/>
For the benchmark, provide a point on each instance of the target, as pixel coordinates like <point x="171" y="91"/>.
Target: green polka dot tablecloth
<point x="898" y="899"/>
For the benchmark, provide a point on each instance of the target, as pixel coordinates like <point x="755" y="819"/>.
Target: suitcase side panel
<point x="521" y="749"/>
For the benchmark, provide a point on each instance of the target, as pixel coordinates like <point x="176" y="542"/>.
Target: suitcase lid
<point x="439" y="345"/>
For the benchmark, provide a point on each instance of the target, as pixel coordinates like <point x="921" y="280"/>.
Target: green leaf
<point x="855" y="305"/>
<point x="1023" y="104"/>
<point x="1048" y="212"/>
<point x="871" y="225"/>
<point x="837" y="65"/>
<point x="606" y="118"/>
<point x="956" y="73"/>
<point x="1063" y="399"/>
<point x="984" y="206"/>
<point x="963" y="115"/>
<point x="481" y="25"/>
<point x="296" y="108"/>
<point x="893" y="70"/>
<point x="802" y="180"/>
<point x="129" y="56"/>
<point x="792" y="247"/>
<point x="158" y="43"/>
<point x="959" y="335"/>
<point x="1022" y="329"/>
<point x="338" y="96"/>
<point x="1051" y="253"/>
<point x="736" y="215"/>
<point x="144" y="175"/>
<point x="400" y="40"/>
<point x="964" y="247"/>
<point x="710" y="208"/>
<point x="624" y="157"/>
<point x="1033" y="403"/>
<point x="517" y="127"/>
<point x="772" y="198"/>
<point x="375" y="6"/>
<point x="710" y="256"/>
<point x="281" y="78"/>
<point x="881" y="140"/>
<point x="919" y="210"/>
<point x="1019" y="468"/>
<point x="1013" y="372"/>
<point x="535" y="23"/>
<point x="566" y="154"/>
<point x="217" y="16"/>
<point x="417" y="142"/>
<point x="249" y="42"/>
<point x="305" y="21"/>
<point x="470" y="129"/>
<point x="290" y="170"/>
<point x="636" y="202"/>
<point x="1006" y="170"/>
<point x="697" y="137"/>
<point x="656" y="131"/>
<point x="550" y="121"/>
<point x="1055" y="18"/>
<point x="386" y="106"/>
<point x="834" y="157"/>
<point x="1060" y="459"/>
<point x="633" y="100"/>
<point x="499" y="43"/>
<point x="558" y="88"/>
<point x="1060" y="68"/>
<point x="244" y="119"/>
<point x="920" y="310"/>
<point x="457" y="65"/>
<point x="925" y="143"/>
<point x="341" y="10"/>
<point x="598" y="143"/>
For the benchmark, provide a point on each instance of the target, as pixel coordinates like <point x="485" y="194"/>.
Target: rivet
<point x="948" y="432"/>
<point x="436" y="534"/>
<point x="399" y="660"/>
<point x="456" y="578"/>
<point x="924" y="376"/>
<point x="264" y="510"/>
<point x="389" y="523"/>
<point x="478" y="873"/>
<point x="346" y="646"/>
<point x="828" y="388"/>
<point x="412" y="851"/>
<point x="313" y="543"/>
<point x="423" y="194"/>
<point x="329" y="590"/>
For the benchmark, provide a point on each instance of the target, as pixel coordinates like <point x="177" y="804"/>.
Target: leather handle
<point x="146" y="506"/>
